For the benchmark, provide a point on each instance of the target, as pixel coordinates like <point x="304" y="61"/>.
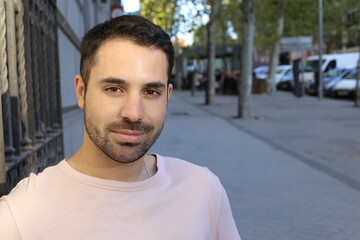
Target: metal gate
<point x="30" y="112"/>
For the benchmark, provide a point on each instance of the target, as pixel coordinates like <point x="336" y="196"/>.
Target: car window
<point x="289" y="73"/>
<point x="352" y="75"/>
<point x="333" y="73"/>
<point x="312" y="65"/>
<point x="331" y="65"/>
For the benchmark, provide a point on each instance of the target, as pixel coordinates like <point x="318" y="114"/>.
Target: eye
<point x="152" y="92"/>
<point x="113" y="90"/>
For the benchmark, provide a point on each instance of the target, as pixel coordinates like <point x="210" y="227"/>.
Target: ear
<point x="170" y="89"/>
<point x="80" y="91"/>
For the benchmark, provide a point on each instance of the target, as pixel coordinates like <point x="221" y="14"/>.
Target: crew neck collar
<point x="112" y="184"/>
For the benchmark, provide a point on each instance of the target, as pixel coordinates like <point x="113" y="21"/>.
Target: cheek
<point x="97" y="110"/>
<point x="156" y="112"/>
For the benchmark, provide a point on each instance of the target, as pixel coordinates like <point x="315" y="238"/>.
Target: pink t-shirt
<point x="181" y="201"/>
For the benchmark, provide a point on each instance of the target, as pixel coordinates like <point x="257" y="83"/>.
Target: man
<point x="111" y="188"/>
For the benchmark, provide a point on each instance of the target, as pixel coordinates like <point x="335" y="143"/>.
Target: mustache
<point x="129" y="125"/>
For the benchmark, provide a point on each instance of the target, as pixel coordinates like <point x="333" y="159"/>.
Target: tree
<point x="164" y="13"/>
<point x="229" y="27"/>
<point x="211" y="50"/>
<point x="247" y="7"/>
<point x="274" y="60"/>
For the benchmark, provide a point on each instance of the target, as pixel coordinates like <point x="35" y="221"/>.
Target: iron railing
<point x="30" y="113"/>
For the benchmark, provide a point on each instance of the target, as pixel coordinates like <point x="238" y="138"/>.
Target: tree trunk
<point x="178" y="65"/>
<point x="210" y="86"/>
<point x="3" y="79"/>
<point x="224" y="39"/>
<point x="2" y="144"/>
<point x="274" y="61"/>
<point x="247" y="7"/>
<point x="357" y="88"/>
<point x="178" y="73"/>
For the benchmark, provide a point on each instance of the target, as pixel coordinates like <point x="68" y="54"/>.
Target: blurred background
<point x="266" y="96"/>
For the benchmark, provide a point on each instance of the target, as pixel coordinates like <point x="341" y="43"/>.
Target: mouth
<point x="128" y="136"/>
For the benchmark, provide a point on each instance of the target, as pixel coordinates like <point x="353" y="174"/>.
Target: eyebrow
<point x="113" y="80"/>
<point x="155" y="85"/>
<point x="119" y="81"/>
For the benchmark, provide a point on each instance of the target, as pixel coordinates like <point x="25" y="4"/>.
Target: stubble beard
<point x="122" y="152"/>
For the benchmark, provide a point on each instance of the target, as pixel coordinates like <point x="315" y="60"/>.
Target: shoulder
<point x="30" y="186"/>
<point x="8" y="227"/>
<point x="196" y="182"/>
<point x="25" y="200"/>
<point x="184" y="167"/>
<point x="186" y="171"/>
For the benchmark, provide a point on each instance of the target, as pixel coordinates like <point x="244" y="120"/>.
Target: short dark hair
<point x="129" y="27"/>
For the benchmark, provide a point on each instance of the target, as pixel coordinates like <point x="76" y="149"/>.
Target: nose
<point x="132" y="109"/>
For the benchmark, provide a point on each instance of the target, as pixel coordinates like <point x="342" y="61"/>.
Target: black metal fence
<point x="30" y="90"/>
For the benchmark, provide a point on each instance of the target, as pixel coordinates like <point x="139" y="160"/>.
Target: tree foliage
<point x="164" y="13"/>
<point x="302" y="18"/>
<point x="228" y="24"/>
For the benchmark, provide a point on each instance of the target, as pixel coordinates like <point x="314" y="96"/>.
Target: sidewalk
<point x="282" y="172"/>
<point x="323" y="133"/>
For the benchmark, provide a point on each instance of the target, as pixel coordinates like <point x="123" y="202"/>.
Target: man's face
<point x="126" y="99"/>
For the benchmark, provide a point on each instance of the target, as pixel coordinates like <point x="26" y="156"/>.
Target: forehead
<point x="124" y="57"/>
<point x="126" y="49"/>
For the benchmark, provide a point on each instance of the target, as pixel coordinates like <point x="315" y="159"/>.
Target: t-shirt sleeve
<point x="226" y="228"/>
<point x="8" y="227"/>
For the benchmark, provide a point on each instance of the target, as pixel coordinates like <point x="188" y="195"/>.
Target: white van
<point x="330" y="61"/>
<point x="281" y="71"/>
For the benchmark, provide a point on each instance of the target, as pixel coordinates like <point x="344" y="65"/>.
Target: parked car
<point x="328" y="87"/>
<point x="331" y="75"/>
<point x="346" y="87"/>
<point x="261" y="72"/>
<point x="281" y="71"/>
<point x="329" y="61"/>
<point x="287" y="81"/>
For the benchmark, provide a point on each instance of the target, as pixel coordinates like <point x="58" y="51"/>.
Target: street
<point x="290" y="173"/>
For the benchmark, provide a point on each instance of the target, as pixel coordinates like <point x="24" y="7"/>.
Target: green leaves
<point x="301" y="18"/>
<point x="163" y="13"/>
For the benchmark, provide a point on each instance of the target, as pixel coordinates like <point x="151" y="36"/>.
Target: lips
<point x="128" y="136"/>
